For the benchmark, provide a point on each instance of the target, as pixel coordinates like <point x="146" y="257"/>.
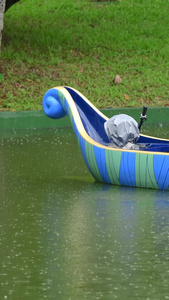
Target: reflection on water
<point x="64" y="236"/>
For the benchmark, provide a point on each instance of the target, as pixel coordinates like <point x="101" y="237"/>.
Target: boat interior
<point x="93" y="123"/>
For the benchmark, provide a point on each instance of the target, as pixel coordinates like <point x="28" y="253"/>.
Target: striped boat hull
<point x="109" y="165"/>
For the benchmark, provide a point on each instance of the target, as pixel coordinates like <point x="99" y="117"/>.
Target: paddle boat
<point x="146" y="166"/>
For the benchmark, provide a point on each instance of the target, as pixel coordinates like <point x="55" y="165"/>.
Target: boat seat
<point x="154" y="147"/>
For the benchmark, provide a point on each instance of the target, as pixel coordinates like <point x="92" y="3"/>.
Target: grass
<point x="84" y="44"/>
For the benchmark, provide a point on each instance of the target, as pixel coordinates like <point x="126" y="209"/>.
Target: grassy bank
<point x="84" y="44"/>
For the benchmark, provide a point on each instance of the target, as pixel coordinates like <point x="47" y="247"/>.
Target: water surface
<point x="64" y="236"/>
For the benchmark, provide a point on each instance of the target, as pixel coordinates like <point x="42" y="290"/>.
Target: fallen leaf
<point x="126" y="97"/>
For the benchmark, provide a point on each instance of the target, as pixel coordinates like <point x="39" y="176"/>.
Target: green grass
<point x="84" y="44"/>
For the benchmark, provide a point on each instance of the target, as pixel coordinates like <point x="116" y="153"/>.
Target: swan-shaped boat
<point x="147" y="168"/>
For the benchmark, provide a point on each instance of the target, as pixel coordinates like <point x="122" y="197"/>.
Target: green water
<point x="63" y="236"/>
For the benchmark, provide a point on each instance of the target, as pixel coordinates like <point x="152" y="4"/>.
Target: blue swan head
<point x="52" y="105"/>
